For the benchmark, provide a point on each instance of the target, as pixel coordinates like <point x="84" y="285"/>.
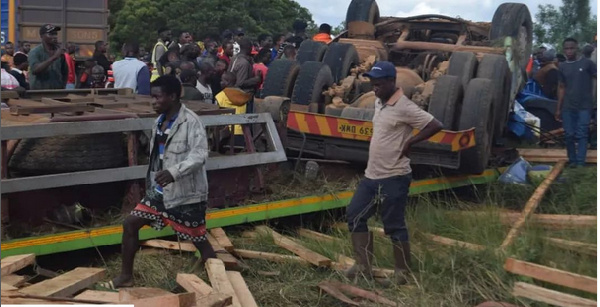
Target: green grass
<point x="443" y="276"/>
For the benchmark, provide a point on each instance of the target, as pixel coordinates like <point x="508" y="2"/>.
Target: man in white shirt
<point x="206" y="71"/>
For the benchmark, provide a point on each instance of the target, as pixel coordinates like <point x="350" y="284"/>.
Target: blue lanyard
<point x="161" y="119"/>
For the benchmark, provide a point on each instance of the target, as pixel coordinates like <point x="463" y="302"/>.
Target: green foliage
<point x="572" y="19"/>
<point x="138" y="20"/>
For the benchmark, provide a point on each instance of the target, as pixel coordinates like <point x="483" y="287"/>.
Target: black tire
<point x="313" y="79"/>
<point x="477" y="112"/>
<point x="341" y="58"/>
<point x="362" y="10"/>
<point x="463" y="65"/>
<point x="495" y="68"/>
<point x="280" y="78"/>
<point x="514" y="20"/>
<point x="63" y="154"/>
<point x="445" y="100"/>
<point x="311" y="51"/>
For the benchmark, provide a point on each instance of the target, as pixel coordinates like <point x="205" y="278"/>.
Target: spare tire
<point x="478" y="112"/>
<point x="313" y="79"/>
<point x="495" y="68"/>
<point x="280" y="78"/>
<point x="311" y="51"/>
<point x="463" y="65"/>
<point x="445" y="100"/>
<point x="72" y="153"/>
<point x="341" y="58"/>
<point x="362" y="10"/>
<point x="514" y="20"/>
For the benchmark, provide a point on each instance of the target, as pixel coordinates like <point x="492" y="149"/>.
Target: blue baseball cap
<point x="382" y="69"/>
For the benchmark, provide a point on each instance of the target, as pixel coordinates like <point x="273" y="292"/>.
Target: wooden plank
<point x="551" y="275"/>
<point x="230" y="262"/>
<point x="193" y="283"/>
<point x="7" y="287"/>
<point x="335" y="292"/>
<point x="31" y="301"/>
<point x="249" y="254"/>
<point x="552" y="155"/>
<point x="309" y="234"/>
<point x="372" y="296"/>
<point x="549" y="221"/>
<point x="12" y="264"/>
<point x="532" y="204"/>
<point x="103" y="296"/>
<point x="303" y="252"/>
<point x="184" y="246"/>
<point x="221" y="237"/>
<point x="132" y="294"/>
<point x="13" y="280"/>
<point x="175" y="300"/>
<point x="578" y="247"/>
<point x="214" y="300"/>
<point x="66" y="284"/>
<point x="452" y="242"/>
<point x="345" y="263"/>
<point x="219" y="281"/>
<point x="241" y="289"/>
<point x="552" y="297"/>
<point x="51" y="109"/>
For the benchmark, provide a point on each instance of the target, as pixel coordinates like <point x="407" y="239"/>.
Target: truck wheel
<point x="495" y="68"/>
<point x="477" y="112"/>
<point x="313" y="79"/>
<point x="62" y="154"/>
<point x="514" y="20"/>
<point x="341" y="58"/>
<point x="445" y="100"/>
<point x="463" y="65"/>
<point x="280" y="78"/>
<point x="311" y="51"/>
<point x="362" y="10"/>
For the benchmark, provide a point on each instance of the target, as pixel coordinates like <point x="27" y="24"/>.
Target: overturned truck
<point x="466" y="74"/>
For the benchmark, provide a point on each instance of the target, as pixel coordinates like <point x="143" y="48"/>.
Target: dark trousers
<point x="576" y="124"/>
<point x="391" y="194"/>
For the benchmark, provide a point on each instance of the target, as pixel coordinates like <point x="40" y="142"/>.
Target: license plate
<point x="355" y="129"/>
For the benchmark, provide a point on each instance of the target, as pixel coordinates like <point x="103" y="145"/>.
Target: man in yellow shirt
<point x="233" y="98"/>
<point x="9" y="52"/>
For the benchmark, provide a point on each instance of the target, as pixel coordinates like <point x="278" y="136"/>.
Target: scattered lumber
<point x="221" y="237"/>
<point x="193" y="283"/>
<point x="32" y="301"/>
<point x="303" y="252"/>
<point x="241" y="289"/>
<point x="310" y="234"/>
<point x="532" y="204"/>
<point x="170" y="299"/>
<point x="552" y="155"/>
<point x="452" y="242"/>
<point x="219" y="281"/>
<point x="249" y="254"/>
<point x="214" y="300"/>
<point x="43" y="299"/>
<point x="66" y="284"/>
<point x="578" y="247"/>
<point x="101" y="296"/>
<point x="551" y="297"/>
<point x="7" y="287"/>
<point x="551" y="275"/>
<point x="372" y="296"/>
<point x="184" y="246"/>
<point x="345" y="263"/>
<point x="12" y="264"/>
<point x="230" y="261"/>
<point x="335" y="292"/>
<point x="13" y="280"/>
<point x="132" y="294"/>
<point x="549" y="221"/>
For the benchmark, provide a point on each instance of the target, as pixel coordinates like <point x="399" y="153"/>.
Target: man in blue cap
<point x="388" y="174"/>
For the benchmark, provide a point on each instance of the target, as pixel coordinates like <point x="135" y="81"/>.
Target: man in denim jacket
<point x="176" y="185"/>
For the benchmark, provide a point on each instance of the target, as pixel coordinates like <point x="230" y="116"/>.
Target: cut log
<point x="249" y="254"/>
<point x="132" y="294"/>
<point x="552" y="155"/>
<point x="355" y="291"/>
<point x="551" y="275"/>
<point x="551" y="297"/>
<point x="184" y="246"/>
<point x="13" y="280"/>
<point x="214" y="300"/>
<point x="219" y="281"/>
<point x="303" y="252"/>
<point x="335" y="292"/>
<point x="549" y="221"/>
<point x="532" y="204"/>
<point x="578" y="247"/>
<point x="101" y="296"/>
<point x="241" y="289"/>
<point x="66" y="284"/>
<point x="230" y="262"/>
<point x="221" y="237"/>
<point x="12" y="264"/>
<point x="452" y="242"/>
<point x="193" y="283"/>
<point x="307" y="233"/>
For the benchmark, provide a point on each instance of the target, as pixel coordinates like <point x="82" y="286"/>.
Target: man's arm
<point x="143" y="81"/>
<point x="433" y="127"/>
<point x="198" y="154"/>
<point x="38" y="68"/>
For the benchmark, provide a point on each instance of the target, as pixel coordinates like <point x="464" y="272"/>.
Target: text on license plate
<point x="355" y="129"/>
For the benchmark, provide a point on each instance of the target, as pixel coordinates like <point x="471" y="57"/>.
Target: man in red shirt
<point x="260" y="65"/>
<point x="70" y="59"/>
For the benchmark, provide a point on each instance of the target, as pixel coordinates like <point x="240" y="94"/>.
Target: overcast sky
<point x="333" y="12"/>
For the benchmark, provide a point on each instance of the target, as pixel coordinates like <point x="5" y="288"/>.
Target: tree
<point x="572" y="19"/>
<point x="339" y="29"/>
<point x="138" y="20"/>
